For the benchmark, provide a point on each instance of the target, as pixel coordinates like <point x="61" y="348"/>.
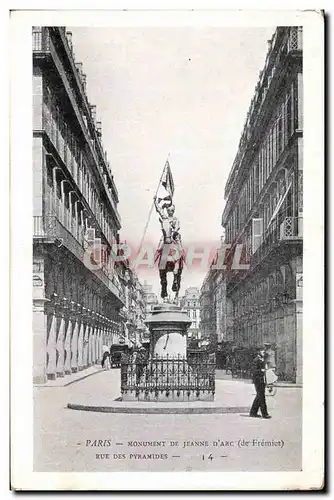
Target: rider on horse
<point x="170" y="227"/>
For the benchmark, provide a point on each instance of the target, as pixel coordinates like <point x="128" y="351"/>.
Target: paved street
<point x="67" y="440"/>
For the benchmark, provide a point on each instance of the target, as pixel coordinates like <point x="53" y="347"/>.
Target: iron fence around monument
<point x="163" y="376"/>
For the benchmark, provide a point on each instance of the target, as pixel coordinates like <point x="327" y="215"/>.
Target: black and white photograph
<point x="170" y="325"/>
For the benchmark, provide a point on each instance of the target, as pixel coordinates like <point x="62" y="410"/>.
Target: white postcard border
<point x="23" y="476"/>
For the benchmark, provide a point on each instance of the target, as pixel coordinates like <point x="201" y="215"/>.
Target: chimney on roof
<point x="223" y="237"/>
<point x="78" y="65"/>
<point x="93" y="111"/>
<point x="69" y="39"/>
<point x="83" y="80"/>
<point x="99" y="129"/>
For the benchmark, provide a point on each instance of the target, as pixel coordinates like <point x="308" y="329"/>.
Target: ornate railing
<point x="295" y="40"/>
<point x="164" y="376"/>
<point x="291" y="228"/>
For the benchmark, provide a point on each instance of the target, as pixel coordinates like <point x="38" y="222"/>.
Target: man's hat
<point x="260" y="348"/>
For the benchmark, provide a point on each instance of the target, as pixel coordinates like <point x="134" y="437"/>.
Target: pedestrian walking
<point x="124" y="362"/>
<point x="259" y="368"/>
<point x="105" y="357"/>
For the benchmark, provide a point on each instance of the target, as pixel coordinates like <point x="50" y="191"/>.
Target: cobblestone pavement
<point x="67" y="440"/>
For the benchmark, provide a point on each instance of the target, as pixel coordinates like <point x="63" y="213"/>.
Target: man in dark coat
<point x="124" y="362"/>
<point x="259" y="368"/>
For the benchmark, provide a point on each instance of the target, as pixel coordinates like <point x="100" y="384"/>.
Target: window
<point x="47" y="110"/>
<point x="256" y="182"/>
<point x="289" y="117"/>
<point x="261" y="168"/>
<point x="296" y="104"/>
<point x="37" y="38"/>
<point x="279" y="136"/>
<point x="194" y="313"/>
<point x="257" y="231"/>
<point x="274" y="144"/>
<point x="284" y="116"/>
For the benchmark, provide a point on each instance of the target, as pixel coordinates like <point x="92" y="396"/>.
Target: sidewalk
<point x="81" y="375"/>
<point x="221" y="375"/>
<point x="102" y="394"/>
<point x="74" y="377"/>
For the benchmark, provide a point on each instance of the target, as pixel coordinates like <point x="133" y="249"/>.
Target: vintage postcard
<point x="167" y="213"/>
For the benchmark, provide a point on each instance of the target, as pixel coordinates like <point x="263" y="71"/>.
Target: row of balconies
<point x="61" y="145"/>
<point x="50" y="229"/>
<point x="285" y="232"/>
<point x="41" y="44"/>
<point x="291" y="43"/>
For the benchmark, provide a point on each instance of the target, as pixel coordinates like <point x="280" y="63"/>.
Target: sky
<point x="178" y="91"/>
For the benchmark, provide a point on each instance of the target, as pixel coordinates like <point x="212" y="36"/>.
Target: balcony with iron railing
<point x="280" y="234"/>
<point x="290" y="229"/>
<point x="61" y="150"/>
<point x="62" y="230"/>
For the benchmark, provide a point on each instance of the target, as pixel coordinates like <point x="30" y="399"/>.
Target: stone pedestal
<point x="166" y="375"/>
<point x="168" y="327"/>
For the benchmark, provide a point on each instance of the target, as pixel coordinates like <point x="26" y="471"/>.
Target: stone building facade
<point x="215" y="319"/>
<point x="134" y="310"/>
<point x="151" y="298"/>
<point x="191" y="306"/>
<point x="76" y="300"/>
<point x="264" y="210"/>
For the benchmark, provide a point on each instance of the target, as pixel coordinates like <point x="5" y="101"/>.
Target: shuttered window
<point x="257" y="231"/>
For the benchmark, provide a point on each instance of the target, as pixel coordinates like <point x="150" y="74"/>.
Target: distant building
<point x="151" y="298"/>
<point x="190" y="305"/>
<point x="134" y="312"/>
<point x="215" y="317"/>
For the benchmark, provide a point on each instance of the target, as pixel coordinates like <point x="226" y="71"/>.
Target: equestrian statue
<point x="170" y="254"/>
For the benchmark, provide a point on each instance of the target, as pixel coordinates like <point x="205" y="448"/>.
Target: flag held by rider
<point x="168" y="183"/>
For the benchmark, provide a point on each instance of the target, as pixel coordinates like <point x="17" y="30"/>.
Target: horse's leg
<point x="179" y="274"/>
<point x="163" y="282"/>
<point x="176" y="271"/>
<point x="175" y="287"/>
